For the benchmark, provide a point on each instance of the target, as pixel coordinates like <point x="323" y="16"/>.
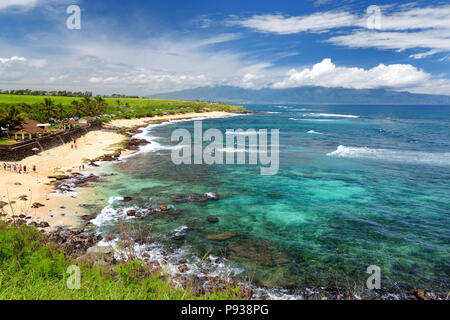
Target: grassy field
<point x="149" y="103"/>
<point x="32" y="268"/>
<point x="31" y="107"/>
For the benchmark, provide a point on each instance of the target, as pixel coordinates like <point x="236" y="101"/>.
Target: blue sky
<point x="144" y="47"/>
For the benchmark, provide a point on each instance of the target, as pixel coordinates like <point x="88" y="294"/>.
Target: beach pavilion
<point x="28" y="130"/>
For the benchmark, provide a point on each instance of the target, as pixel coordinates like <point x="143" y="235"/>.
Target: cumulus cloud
<point x="15" y="68"/>
<point x="394" y="76"/>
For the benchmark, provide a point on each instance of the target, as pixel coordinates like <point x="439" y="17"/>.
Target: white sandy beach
<point x="60" y="210"/>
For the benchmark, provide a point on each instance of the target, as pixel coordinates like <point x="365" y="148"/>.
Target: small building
<point x="27" y="131"/>
<point x="85" y="121"/>
<point x="70" y="124"/>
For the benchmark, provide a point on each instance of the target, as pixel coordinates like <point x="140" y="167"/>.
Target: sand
<point x="64" y="210"/>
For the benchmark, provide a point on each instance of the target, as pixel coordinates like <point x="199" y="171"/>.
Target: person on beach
<point x="34" y="168"/>
<point x="24" y="168"/>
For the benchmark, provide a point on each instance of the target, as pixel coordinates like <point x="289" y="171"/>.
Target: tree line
<point x="49" y="111"/>
<point x="62" y="93"/>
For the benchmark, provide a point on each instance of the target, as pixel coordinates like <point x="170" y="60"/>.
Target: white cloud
<point x="401" y="28"/>
<point x="281" y="24"/>
<point x="15" y="68"/>
<point x="16" y="3"/>
<point x="394" y="76"/>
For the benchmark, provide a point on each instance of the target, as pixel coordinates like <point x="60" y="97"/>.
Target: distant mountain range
<point x="304" y="95"/>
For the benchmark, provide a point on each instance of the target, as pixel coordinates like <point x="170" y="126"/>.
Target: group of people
<point x="74" y="144"/>
<point x="19" y="168"/>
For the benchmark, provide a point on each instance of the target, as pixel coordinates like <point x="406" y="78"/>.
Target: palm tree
<point x="11" y="117"/>
<point x="100" y="105"/>
<point x="87" y="100"/>
<point x="99" y="100"/>
<point x="48" y="107"/>
<point x="77" y="109"/>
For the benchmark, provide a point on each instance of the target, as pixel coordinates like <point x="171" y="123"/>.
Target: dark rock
<point x="127" y="199"/>
<point x="195" y="197"/>
<point x="131" y="213"/>
<point x="37" y="205"/>
<point x="221" y="236"/>
<point x="164" y="208"/>
<point x="183" y="268"/>
<point x="212" y="219"/>
<point x="88" y="217"/>
<point x="262" y="253"/>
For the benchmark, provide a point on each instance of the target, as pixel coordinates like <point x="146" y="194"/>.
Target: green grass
<point x="32" y="268"/>
<point x="6" y="141"/>
<point x="129" y="107"/>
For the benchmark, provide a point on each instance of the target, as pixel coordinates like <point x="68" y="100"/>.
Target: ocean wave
<point x="110" y="215"/>
<point x="171" y="260"/>
<point x="404" y="156"/>
<point x="154" y="145"/>
<point x="232" y="150"/>
<point x="334" y="115"/>
<point x="314" y="132"/>
<point x="251" y="133"/>
<point x="315" y="120"/>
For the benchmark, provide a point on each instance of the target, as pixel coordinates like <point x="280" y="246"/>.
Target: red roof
<point x="30" y="126"/>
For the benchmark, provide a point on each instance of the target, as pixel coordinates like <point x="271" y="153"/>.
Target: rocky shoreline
<point x="85" y="245"/>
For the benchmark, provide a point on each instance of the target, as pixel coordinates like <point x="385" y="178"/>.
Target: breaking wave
<point x="333" y="115"/>
<point x="418" y="157"/>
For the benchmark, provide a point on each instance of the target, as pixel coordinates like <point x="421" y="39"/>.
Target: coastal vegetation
<point x="41" y="108"/>
<point x="16" y="109"/>
<point x="32" y="267"/>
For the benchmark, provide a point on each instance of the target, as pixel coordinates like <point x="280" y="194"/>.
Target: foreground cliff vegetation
<point x="33" y="268"/>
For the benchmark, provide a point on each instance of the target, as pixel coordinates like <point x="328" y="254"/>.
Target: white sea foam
<point x="251" y="133"/>
<point x="315" y="120"/>
<point x="405" y="156"/>
<point x="333" y="115"/>
<point x="211" y="266"/>
<point x="282" y="107"/>
<point x="154" y="145"/>
<point x="232" y="150"/>
<point x="314" y="132"/>
<point x="109" y="214"/>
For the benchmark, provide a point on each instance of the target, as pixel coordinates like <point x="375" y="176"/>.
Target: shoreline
<point x="132" y="127"/>
<point x="32" y="196"/>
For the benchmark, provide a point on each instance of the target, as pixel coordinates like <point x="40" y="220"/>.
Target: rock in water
<point x="221" y="236"/>
<point x="212" y="219"/>
<point x="260" y="252"/>
<point x="212" y="195"/>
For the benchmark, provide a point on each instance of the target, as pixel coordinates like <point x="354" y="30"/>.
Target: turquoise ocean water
<point x="357" y="186"/>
